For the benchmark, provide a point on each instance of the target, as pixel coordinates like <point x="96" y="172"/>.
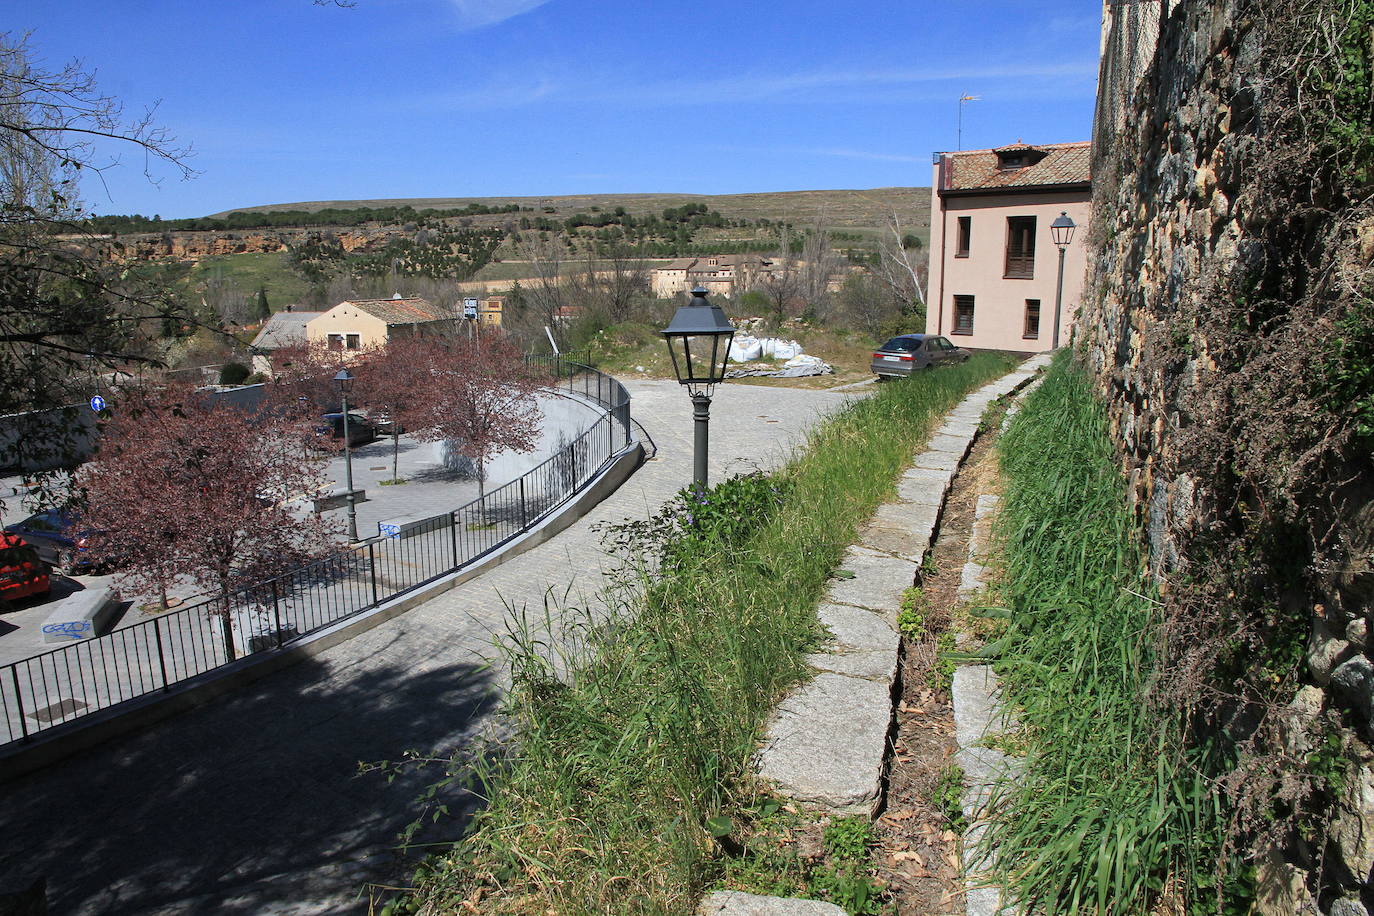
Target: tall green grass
<point x="635" y="726"/>
<point x="1110" y="809"/>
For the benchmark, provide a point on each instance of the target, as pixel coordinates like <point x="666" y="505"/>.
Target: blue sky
<point x="283" y="100"/>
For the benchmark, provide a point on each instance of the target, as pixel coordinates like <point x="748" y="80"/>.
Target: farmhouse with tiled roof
<point x="721" y="274"/>
<point x="993" y="260"/>
<point x="360" y="323"/>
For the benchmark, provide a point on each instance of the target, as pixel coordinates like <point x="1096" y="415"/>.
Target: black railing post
<point x="19" y="701"/>
<point x="372" y="569"/>
<point x="161" y="658"/>
<point x="276" y="612"/>
<point x="453" y="537"/>
<point x="524" y="512"/>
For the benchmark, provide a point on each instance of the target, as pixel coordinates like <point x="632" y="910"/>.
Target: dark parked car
<point x="360" y="431"/>
<point x="907" y="353"/>
<point x="51" y="533"/>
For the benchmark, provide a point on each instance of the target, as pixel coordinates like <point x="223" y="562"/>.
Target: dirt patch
<point x="918" y="856"/>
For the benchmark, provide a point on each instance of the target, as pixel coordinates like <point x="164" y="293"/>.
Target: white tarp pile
<point x="746" y="348"/>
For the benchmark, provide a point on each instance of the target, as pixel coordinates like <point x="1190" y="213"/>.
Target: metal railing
<point x="153" y="655"/>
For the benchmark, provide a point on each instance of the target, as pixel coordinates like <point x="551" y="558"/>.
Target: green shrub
<point x="911" y="616"/>
<point x="233" y="373"/>
<point x="948" y="797"/>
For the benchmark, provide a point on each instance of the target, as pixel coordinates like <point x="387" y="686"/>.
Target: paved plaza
<point x="432" y="489"/>
<point x="253" y="804"/>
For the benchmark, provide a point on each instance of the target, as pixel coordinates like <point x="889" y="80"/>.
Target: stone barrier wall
<point x="1228" y="297"/>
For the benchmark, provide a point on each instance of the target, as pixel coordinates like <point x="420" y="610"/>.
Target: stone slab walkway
<point x="253" y="804"/>
<point x="826" y="745"/>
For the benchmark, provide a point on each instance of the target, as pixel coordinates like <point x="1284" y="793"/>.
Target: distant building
<point x="563" y="314"/>
<point x="355" y="324"/>
<point x="993" y="262"/>
<point x="283" y="329"/>
<point x="722" y="275"/>
<point x="490" y="311"/>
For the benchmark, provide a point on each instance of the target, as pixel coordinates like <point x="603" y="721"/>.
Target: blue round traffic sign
<point x="97" y="403"/>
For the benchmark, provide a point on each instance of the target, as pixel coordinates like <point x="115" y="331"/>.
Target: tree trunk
<point x="227" y="625"/>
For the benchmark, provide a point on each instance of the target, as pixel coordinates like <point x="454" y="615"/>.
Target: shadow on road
<point x="249" y="805"/>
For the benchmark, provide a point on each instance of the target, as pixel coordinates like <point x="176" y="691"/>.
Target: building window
<point x="336" y="341"/>
<point x="1020" y="247"/>
<point x="1032" y="319"/>
<point x="963" y="315"/>
<point x="965" y="232"/>
<point x="353" y="342"/>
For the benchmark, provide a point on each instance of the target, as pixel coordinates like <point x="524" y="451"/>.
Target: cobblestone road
<point x="253" y="805"/>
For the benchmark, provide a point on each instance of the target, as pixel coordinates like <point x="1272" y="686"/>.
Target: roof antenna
<point x="963" y="100"/>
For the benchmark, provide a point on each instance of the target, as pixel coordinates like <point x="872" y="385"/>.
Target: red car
<point x="22" y="574"/>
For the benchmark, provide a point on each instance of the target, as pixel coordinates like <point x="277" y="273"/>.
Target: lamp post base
<point x="701" y="414"/>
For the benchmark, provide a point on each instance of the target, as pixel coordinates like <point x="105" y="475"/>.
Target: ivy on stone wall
<point x="1231" y="327"/>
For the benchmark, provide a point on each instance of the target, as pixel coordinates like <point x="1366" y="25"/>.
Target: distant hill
<point x="840" y="209"/>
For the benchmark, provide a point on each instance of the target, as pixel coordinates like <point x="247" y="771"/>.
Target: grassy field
<point x="838" y="209"/>
<point x="250" y="270"/>
<point x="634" y="743"/>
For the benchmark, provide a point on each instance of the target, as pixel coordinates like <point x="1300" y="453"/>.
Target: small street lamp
<point x="1061" y="230"/>
<point x="698" y="341"/>
<point x="343" y="380"/>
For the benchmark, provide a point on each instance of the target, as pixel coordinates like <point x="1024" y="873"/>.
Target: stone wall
<point x="1229" y="271"/>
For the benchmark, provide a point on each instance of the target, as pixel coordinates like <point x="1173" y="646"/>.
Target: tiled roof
<point x="398" y="311"/>
<point x="283" y="329"/>
<point x="679" y="264"/>
<point x="1063" y="163"/>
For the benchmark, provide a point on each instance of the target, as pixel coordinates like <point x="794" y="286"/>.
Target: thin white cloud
<point x="478" y="14"/>
<point x="864" y="154"/>
<point x="810" y="151"/>
<point x="859" y="86"/>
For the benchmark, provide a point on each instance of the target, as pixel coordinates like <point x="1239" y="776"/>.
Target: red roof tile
<point x="1063" y="163"/>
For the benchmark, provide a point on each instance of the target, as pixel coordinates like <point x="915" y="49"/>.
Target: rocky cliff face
<point x="1229" y="325"/>
<point x="192" y="246"/>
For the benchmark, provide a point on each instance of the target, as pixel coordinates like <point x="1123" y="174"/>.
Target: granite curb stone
<point x="738" y="903"/>
<point x="856" y="628"/>
<point x="805" y="761"/>
<point x="878" y="580"/>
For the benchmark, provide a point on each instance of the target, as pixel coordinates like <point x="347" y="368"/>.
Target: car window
<point x="18" y="556"/>
<point x="944" y="344"/>
<point x="43" y="521"/>
<point x="901" y="343"/>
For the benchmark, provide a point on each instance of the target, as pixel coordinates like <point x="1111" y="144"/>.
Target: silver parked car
<point x="907" y="353"/>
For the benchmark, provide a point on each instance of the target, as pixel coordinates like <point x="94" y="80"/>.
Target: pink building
<point x="993" y="262"/>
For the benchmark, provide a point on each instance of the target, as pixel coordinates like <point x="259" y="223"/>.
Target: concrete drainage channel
<point x="827" y="745"/>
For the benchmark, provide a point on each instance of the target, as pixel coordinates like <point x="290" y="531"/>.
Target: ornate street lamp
<point x="698" y="340"/>
<point x="343" y="380"/>
<point x="1061" y="230"/>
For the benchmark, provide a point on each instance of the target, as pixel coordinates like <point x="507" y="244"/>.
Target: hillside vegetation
<point x="854" y="209"/>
